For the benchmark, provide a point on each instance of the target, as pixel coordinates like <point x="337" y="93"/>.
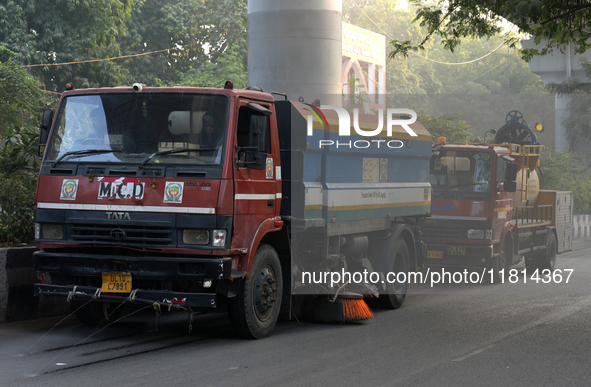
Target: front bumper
<point x="458" y="255"/>
<point x="175" y="300"/>
<point x="79" y="277"/>
<point x="149" y="268"/>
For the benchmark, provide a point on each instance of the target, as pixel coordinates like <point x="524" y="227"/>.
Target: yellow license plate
<point x="434" y="254"/>
<point x="456" y="250"/>
<point x="116" y="283"/>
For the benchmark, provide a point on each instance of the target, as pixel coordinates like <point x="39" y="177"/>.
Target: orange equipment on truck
<point x="488" y="210"/>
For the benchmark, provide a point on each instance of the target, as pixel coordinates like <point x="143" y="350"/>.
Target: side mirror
<point x="509" y="186"/>
<point x="511" y="172"/>
<point x="46" y="120"/>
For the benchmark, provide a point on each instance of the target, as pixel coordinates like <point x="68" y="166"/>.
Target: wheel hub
<point x="265" y="294"/>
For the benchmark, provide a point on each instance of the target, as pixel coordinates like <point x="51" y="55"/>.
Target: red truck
<point x="207" y="199"/>
<point x="488" y="210"/>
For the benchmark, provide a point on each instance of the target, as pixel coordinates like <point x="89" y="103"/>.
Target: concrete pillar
<point x="295" y="47"/>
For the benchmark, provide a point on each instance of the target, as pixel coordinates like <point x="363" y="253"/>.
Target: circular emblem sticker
<point x="173" y="192"/>
<point x="269" y="168"/>
<point x="69" y="189"/>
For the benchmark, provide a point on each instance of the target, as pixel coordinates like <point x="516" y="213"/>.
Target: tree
<point x="569" y="170"/>
<point x="20" y="102"/>
<point x="455" y="131"/>
<point x="191" y="33"/>
<point x="57" y="31"/>
<point x="227" y="66"/>
<point x="560" y="22"/>
<point x="20" y="95"/>
<point x="490" y="80"/>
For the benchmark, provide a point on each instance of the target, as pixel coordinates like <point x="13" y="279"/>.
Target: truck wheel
<point x="499" y="263"/>
<point x="544" y="259"/>
<point x="95" y="313"/>
<point x="393" y="297"/>
<point x="548" y="260"/>
<point x="254" y="310"/>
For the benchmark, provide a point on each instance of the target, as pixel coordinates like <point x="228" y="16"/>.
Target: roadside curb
<point x="17" y="277"/>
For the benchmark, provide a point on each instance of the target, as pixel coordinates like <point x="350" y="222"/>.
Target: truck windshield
<point x="163" y="127"/>
<point x="461" y="171"/>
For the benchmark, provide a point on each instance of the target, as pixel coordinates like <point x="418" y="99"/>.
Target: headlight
<point x="475" y="234"/>
<point x="37" y="231"/>
<point x="52" y="231"/>
<point x="196" y="237"/>
<point x="480" y="234"/>
<point x="219" y="238"/>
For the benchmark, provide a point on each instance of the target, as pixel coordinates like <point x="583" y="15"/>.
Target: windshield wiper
<point x="84" y="152"/>
<point x="180" y="150"/>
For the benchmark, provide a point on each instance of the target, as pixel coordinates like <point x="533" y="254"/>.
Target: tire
<point x="501" y="262"/>
<point x="395" y="293"/>
<point x="95" y="313"/>
<point x="546" y="259"/>
<point x="498" y="264"/>
<point x="531" y="265"/>
<point x="254" y="310"/>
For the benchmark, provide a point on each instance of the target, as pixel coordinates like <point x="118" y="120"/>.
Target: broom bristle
<point x="356" y="310"/>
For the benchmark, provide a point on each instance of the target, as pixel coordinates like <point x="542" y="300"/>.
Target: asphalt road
<point x="522" y="334"/>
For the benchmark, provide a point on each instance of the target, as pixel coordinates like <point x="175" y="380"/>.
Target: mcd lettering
<point x="120" y="188"/>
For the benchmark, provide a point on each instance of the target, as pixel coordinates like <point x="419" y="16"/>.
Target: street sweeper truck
<point x="205" y="199"/>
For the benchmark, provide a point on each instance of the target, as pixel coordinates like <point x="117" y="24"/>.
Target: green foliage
<point x="18" y="178"/>
<point x="20" y="103"/>
<point x="58" y="31"/>
<point x="559" y="21"/>
<point x="16" y="207"/>
<point x="491" y="80"/>
<point x="569" y="171"/>
<point x="227" y="66"/>
<point x="20" y="96"/>
<point x="449" y="126"/>
<point x="199" y="31"/>
<point x="500" y="69"/>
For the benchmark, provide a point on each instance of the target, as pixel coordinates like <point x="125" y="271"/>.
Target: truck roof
<point x="175" y="89"/>
<point x="495" y="148"/>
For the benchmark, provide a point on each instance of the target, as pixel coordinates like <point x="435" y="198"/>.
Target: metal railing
<point x="534" y="214"/>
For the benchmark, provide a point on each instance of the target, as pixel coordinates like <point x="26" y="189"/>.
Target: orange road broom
<point x="348" y="307"/>
<point x="354" y="308"/>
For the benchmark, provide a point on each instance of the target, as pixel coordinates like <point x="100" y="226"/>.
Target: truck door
<point x="255" y="173"/>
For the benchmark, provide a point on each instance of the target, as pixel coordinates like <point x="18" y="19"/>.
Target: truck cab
<point x="136" y="192"/>
<point x="471" y="205"/>
<point x="488" y="210"/>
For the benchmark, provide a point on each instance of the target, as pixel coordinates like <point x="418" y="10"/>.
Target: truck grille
<point x="121" y="234"/>
<point x="442" y="233"/>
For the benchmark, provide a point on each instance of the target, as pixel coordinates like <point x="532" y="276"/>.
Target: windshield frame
<point x="470" y="175"/>
<point x="193" y="118"/>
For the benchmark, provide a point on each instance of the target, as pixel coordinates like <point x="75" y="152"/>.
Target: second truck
<point x="488" y="210"/>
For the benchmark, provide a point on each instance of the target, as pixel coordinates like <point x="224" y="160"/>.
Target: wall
<point x="17" y="277"/>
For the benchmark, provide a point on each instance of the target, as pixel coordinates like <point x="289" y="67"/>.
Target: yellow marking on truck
<point x="435" y="254"/>
<point x="456" y="250"/>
